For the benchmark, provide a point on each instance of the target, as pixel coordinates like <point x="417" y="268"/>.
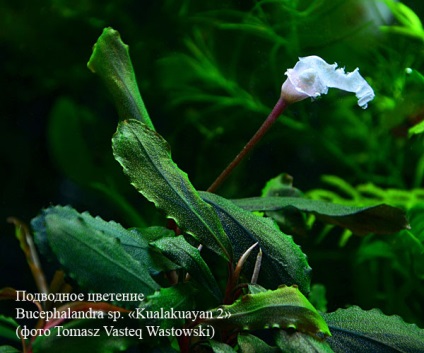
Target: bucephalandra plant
<point x="248" y="290"/>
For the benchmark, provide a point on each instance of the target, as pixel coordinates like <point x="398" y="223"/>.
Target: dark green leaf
<point x="133" y="242"/>
<point x="219" y="347"/>
<point x="86" y="344"/>
<point x="381" y="219"/>
<point x="8" y="328"/>
<point x="188" y="257"/>
<point x="8" y="349"/>
<point x="285" y="307"/>
<point x="355" y="330"/>
<point x="283" y="262"/>
<point x="91" y="251"/>
<point x="297" y="342"/>
<point x="178" y="298"/>
<point x="112" y="62"/>
<point x="146" y="159"/>
<point x="151" y="234"/>
<point x="252" y="344"/>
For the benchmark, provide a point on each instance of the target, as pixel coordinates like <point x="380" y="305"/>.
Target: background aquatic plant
<point x="218" y="90"/>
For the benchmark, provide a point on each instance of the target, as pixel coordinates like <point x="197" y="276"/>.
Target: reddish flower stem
<point x="270" y="120"/>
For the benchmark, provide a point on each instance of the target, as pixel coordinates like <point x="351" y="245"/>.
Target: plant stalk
<point x="280" y="106"/>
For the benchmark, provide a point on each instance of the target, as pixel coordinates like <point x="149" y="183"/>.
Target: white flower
<point x="312" y="76"/>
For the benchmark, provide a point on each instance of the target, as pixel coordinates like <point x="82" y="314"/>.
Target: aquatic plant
<point x="203" y="265"/>
<point x="245" y="288"/>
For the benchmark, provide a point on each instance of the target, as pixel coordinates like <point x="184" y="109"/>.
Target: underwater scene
<point x="212" y="176"/>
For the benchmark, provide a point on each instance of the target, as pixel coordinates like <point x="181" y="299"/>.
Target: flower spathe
<point x="312" y="76"/>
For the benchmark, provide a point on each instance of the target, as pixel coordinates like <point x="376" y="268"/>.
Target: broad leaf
<point x="112" y="62"/>
<point x="132" y="241"/>
<point x="285" y="307"/>
<point x="8" y="349"/>
<point x="91" y="251"/>
<point x="8" y="328"/>
<point x="178" y="298"/>
<point x="188" y="257"/>
<point x="146" y="159"/>
<point x="219" y="347"/>
<point x="297" y="342"/>
<point x="283" y="262"/>
<point x="252" y="344"/>
<point x="355" y="330"/>
<point x="381" y="219"/>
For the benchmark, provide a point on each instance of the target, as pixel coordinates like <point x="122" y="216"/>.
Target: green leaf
<point x="406" y="16"/>
<point x="178" y="298"/>
<point x="282" y="263"/>
<point x="252" y="344"/>
<point x="355" y="330"/>
<point x="86" y="344"/>
<point x="92" y="252"/>
<point x="285" y="307"/>
<point x="188" y="257"/>
<point x="381" y="219"/>
<point x="112" y="62"/>
<point x="146" y="159"/>
<point x="219" y="347"/>
<point x="297" y="342"/>
<point x="8" y="328"/>
<point x="8" y="349"/>
<point x="132" y="241"/>
<point x="416" y="129"/>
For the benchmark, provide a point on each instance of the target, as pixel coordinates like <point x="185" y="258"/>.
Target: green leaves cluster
<point x="105" y="257"/>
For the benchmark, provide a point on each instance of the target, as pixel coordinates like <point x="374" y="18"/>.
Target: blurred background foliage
<point x="209" y="73"/>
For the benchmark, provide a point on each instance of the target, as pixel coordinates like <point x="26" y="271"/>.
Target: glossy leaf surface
<point x="285" y="307"/>
<point x="252" y="344"/>
<point x="381" y="219"/>
<point x="219" y="347"/>
<point x="112" y="62"/>
<point x="297" y="342"/>
<point x="8" y="328"/>
<point x="188" y="257"/>
<point x="146" y="159"/>
<point x="8" y="349"/>
<point x="283" y="261"/>
<point x="91" y="252"/>
<point x="355" y="330"/>
<point x="179" y="298"/>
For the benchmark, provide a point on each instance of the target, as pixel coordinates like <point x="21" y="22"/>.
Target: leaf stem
<point x="280" y="106"/>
